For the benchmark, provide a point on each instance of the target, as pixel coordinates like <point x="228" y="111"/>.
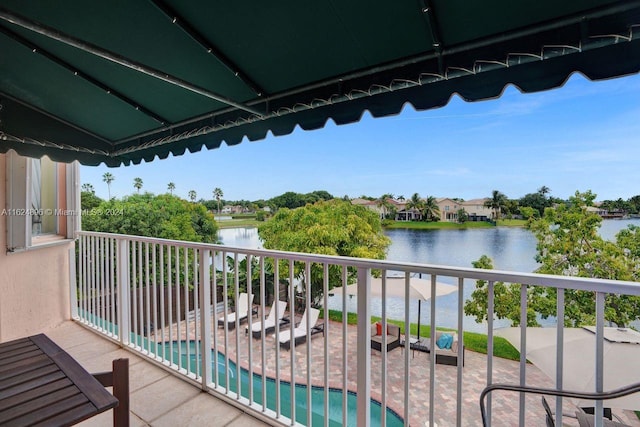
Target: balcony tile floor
<point x="158" y="398"/>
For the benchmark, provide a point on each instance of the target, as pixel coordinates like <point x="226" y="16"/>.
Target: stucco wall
<point x="34" y="285"/>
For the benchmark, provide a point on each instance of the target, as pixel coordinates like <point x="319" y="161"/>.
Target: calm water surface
<point x="512" y="249"/>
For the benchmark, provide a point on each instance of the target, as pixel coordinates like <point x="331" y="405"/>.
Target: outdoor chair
<point x="299" y="334"/>
<point x="243" y="308"/>
<point x="587" y="419"/>
<point x="548" y="414"/>
<point x="393" y="336"/>
<point x="269" y="324"/>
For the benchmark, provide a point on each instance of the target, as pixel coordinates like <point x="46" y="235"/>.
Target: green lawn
<point x="248" y="220"/>
<point x="232" y="223"/>
<point x="473" y="341"/>
<point x="512" y="222"/>
<point x="421" y="225"/>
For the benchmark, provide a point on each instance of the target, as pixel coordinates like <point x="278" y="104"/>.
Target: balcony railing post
<point x="559" y="352"/>
<point x="204" y="300"/>
<point x="364" y="350"/>
<point x="599" y="350"/>
<point x="73" y="283"/>
<point x="123" y="291"/>
<point x="523" y="349"/>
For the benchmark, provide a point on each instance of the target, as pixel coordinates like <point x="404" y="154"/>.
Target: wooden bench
<point x="42" y="384"/>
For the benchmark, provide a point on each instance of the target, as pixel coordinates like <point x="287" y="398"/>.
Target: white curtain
<point x="36" y="196"/>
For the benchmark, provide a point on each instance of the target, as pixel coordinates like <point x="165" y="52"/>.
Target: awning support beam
<point x="208" y="46"/>
<point x="53" y="58"/>
<point x="118" y="59"/>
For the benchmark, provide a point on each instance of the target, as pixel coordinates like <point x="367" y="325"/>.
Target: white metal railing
<point x="164" y="299"/>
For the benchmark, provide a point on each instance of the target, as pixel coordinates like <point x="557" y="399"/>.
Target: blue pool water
<point x="190" y="363"/>
<point x="317" y="393"/>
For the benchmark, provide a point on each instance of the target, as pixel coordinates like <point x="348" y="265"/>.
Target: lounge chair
<point x="269" y="324"/>
<point x="243" y="308"/>
<point x="300" y="332"/>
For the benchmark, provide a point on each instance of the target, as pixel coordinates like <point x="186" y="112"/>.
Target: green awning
<point x="128" y="80"/>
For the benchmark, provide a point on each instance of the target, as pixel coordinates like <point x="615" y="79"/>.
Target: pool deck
<point x="505" y="405"/>
<point x="159" y="398"/>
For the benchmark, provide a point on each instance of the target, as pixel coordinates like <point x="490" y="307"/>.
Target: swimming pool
<point x="300" y="390"/>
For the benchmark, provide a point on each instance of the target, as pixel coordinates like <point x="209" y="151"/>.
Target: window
<point x="43" y="201"/>
<point x="43" y="196"/>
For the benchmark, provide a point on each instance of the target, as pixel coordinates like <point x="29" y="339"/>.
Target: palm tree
<point x="108" y="178"/>
<point x="171" y="186"/>
<point x="431" y="209"/>
<point x="415" y="202"/>
<point x="383" y="202"/>
<point x="497" y="202"/>
<point x="217" y="194"/>
<point x="88" y="188"/>
<point x="192" y="195"/>
<point x="137" y="184"/>
<point x="544" y="190"/>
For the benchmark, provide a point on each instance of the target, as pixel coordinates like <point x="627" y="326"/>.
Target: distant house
<point x="382" y="211"/>
<point x="607" y="214"/>
<point x="411" y="214"/>
<point x="448" y="209"/>
<point x="476" y="209"/>
<point x="232" y="209"/>
<point x="369" y="204"/>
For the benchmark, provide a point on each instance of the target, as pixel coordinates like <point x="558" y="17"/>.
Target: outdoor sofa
<point x="444" y="356"/>
<point x="393" y="336"/>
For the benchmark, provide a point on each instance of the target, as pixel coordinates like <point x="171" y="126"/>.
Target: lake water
<point x="512" y="249"/>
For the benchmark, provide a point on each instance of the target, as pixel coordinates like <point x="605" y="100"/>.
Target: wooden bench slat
<point x="9" y="345"/>
<point x="35" y="393"/>
<point x="76" y="407"/>
<point x="29" y="375"/>
<point x="21" y="366"/>
<point x="42" y="401"/>
<point x="21" y="356"/>
<point x="80" y="413"/>
<point x="16" y="349"/>
<point x="33" y="384"/>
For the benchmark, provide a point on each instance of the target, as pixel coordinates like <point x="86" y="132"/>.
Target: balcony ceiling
<point x="122" y="81"/>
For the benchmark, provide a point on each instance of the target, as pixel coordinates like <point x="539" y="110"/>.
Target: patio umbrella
<point x="419" y="289"/>
<point x="620" y="365"/>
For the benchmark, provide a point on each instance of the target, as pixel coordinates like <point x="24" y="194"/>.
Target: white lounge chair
<point x="269" y="323"/>
<point x="243" y="309"/>
<point x="300" y="332"/>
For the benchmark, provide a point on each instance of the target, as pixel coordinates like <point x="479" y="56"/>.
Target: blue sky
<point x="585" y="135"/>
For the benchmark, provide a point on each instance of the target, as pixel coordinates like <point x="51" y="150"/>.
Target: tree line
<point x="566" y="231"/>
<point x="531" y="205"/>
